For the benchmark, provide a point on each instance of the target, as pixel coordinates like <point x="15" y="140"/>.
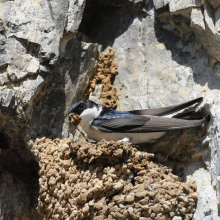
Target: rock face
<point x="45" y="67"/>
<point x="167" y="51"/>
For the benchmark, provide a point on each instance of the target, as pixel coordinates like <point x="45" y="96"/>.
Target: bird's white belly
<point x="134" y="138"/>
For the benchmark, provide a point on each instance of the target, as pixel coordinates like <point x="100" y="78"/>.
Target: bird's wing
<point x="166" y="110"/>
<point x="120" y="124"/>
<point x="142" y="124"/>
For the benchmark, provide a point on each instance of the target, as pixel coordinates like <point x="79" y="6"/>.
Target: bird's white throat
<point x="88" y="115"/>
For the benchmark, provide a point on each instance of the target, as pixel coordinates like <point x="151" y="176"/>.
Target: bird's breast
<point x="134" y="138"/>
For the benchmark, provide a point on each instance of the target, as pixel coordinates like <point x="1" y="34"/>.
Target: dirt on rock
<point x="107" y="180"/>
<point x="105" y="73"/>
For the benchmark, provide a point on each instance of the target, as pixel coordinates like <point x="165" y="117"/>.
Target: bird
<point x="136" y="126"/>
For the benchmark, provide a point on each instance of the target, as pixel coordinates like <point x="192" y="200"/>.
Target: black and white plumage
<point x="138" y="126"/>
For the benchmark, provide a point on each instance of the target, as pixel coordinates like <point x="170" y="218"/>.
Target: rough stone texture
<point x="44" y="68"/>
<point x="18" y="188"/>
<point x="160" y="3"/>
<point x="167" y="52"/>
<point x="120" y="3"/>
<point x="8" y="100"/>
<point x="207" y="31"/>
<point x="176" y="5"/>
<point x="74" y="15"/>
<point x="214" y="3"/>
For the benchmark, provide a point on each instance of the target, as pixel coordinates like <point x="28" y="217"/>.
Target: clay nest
<point x="105" y="74"/>
<point x="107" y="180"/>
<point x="74" y="119"/>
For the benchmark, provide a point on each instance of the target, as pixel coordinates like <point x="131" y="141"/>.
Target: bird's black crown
<point x="80" y="106"/>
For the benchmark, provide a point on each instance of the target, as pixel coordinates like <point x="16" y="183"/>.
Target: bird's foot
<point x="125" y="139"/>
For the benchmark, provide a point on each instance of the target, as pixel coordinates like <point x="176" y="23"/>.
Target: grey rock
<point x="7" y="99"/>
<point x="90" y="56"/>
<point x="5" y="10"/>
<point x="12" y="186"/>
<point x="45" y="66"/>
<point x="116" y="3"/>
<point x="148" y="8"/>
<point x="41" y="30"/>
<point x="58" y="11"/>
<point x="217" y="21"/>
<point x="74" y="15"/>
<point x="77" y="64"/>
<point x="206" y="32"/>
<point x="3" y="79"/>
<point x="197" y="20"/>
<point x="209" y="18"/>
<point x="217" y="69"/>
<point x="22" y="64"/>
<point x="214" y="3"/>
<point x="4" y="57"/>
<point x="176" y="5"/>
<point x="94" y="96"/>
<point x="31" y="86"/>
<point x="39" y="69"/>
<point x="160" y="3"/>
<point x="197" y="170"/>
<point x="89" y="59"/>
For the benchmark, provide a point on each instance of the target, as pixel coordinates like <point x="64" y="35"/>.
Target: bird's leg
<point x="87" y="139"/>
<point x="125" y="139"/>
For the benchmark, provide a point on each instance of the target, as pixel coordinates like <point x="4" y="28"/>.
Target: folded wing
<point x="141" y="124"/>
<point x="123" y="123"/>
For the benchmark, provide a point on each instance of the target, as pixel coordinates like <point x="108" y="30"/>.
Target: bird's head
<point x="86" y="109"/>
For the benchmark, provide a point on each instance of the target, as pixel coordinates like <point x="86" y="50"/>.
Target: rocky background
<point x="167" y="52"/>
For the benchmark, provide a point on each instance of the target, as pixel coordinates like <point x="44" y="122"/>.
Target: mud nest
<point x="74" y="119"/>
<point x="107" y="180"/>
<point x="105" y="73"/>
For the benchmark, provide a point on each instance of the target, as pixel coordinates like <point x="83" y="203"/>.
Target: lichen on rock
<point x="107" y="180"/>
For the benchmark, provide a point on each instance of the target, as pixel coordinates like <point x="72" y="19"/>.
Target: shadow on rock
<point x="187" y="51"/>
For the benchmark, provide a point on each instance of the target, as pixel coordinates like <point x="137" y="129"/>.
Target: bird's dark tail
<point x="189" y="115"/>
<point x="166" y="110"/>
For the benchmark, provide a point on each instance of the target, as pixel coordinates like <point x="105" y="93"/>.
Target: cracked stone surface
<point x="167" y="52"/>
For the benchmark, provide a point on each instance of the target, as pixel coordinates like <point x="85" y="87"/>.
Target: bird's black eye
<point x="81" y="105"/>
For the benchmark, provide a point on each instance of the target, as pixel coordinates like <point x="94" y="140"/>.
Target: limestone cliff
<point x="167" y="52"/>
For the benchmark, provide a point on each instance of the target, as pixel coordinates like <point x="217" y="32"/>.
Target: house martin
<point x="137" y="126"/>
